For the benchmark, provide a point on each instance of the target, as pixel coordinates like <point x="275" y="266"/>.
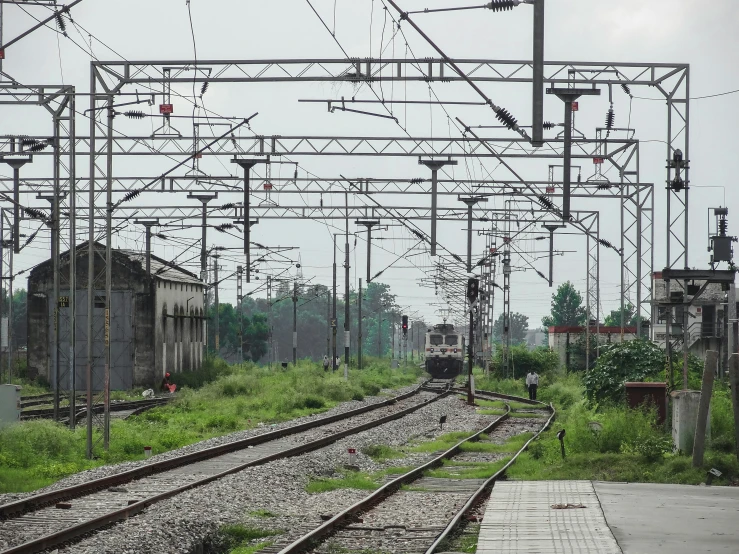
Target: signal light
<point x="405" y="324"/>
<point x="473" y="288"/>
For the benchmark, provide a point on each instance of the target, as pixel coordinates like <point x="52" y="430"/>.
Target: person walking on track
<point x="532" y="383"/>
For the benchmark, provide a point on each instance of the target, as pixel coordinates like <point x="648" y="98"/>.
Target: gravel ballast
<point x="182" y="523"/>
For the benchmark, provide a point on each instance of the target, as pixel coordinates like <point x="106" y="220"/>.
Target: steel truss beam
<point x="326" y="145"/>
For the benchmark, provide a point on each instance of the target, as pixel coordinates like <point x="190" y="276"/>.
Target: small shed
<point x="157" y="322"/>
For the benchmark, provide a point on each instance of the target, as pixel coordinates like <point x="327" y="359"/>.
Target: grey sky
<point x="684" y="31"/>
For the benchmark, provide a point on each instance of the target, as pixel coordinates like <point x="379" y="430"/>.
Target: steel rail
<point x="78" y="530"/>
<point x="478" y="495"/>
<point x="320" y="533"/>
<point x="45" y="413"/>
<point x="44" y="499"/>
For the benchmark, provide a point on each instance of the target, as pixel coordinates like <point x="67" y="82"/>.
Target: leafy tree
<point x="567" y="308"/>
<point x="631" y="318"/>
<point x="518" y="326"/>
<point x="540" y="359"/>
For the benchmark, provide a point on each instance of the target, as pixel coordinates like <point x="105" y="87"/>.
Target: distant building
<point x="535" y="338"/>
<point x="156" y="325"/>
<point x="562" y="339"/>
<point x="707" y="316"/>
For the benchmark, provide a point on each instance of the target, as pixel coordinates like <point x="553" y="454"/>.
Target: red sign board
<point x="597" y="161"/>
<point x="575" y="106"/>
<point x="2" y="54"/>
<point x="166" y="108"/>
<point x="550" y="190"/>
<point x="267" y="186"/>
<point x="197" y="155"/>
<point x="506" y="239"/>
<point x="352" y="450"/>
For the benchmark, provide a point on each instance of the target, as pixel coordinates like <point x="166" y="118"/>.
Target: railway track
<point x="415" y="513"/>
<point x="49" y="519"/>
<point x="127" y="407"/>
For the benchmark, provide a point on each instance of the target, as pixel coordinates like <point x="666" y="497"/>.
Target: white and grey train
<point x="444" y="351"/>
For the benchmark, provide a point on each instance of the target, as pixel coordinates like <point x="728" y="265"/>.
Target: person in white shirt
<point x="532" y="383"/>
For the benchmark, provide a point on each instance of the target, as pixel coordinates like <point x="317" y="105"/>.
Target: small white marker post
<point x="147" y="451"/>
<point x="352" y="456"/>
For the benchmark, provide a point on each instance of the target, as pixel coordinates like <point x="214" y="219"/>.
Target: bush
<point x="635" y="360"/>
<point x="542" y="360"/>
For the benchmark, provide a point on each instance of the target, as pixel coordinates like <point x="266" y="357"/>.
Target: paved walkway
<point x="530" y="517"/>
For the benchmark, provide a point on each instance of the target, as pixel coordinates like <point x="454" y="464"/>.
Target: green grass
<point x="350" y="480"/>
<point x="498" y="404"/>
<point x="381" y="452"/>
<point x="491" y="412"/>
<point x="34" y="454"/>
<point x="466" y="541"/>
<point x="240" y="539"/>
<point x="262" y="513"/>
<point x="474" y="471"/>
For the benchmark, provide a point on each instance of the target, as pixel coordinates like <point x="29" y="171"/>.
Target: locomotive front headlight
<point x="432" y="350"/>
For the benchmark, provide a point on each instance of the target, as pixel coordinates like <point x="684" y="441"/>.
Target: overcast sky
<point x="676" y="31"/>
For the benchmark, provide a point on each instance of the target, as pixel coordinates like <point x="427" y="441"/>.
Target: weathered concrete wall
<point x="38" y="333"/>
<point x="179" y="342"/>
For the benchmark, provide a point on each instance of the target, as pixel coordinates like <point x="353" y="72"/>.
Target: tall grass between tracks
<point x="217" y="400"/>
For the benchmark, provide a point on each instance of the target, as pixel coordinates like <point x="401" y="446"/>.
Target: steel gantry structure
<point x="109" y="195"/>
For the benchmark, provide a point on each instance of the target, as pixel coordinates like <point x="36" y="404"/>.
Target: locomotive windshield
<point x="436" y="340"/>
<point x="451" y="340"/>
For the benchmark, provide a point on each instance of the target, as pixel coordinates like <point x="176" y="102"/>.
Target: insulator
<point x="542" y="275"/>
<point x="224" y="227"/>
<point x="418" y="234"/>
<point x="30" y="239"/>
<point x="228" y="206"/>
<point x="161" y="236"/>
<point x="28" y="141"/>
<point x="723" y="225"/>
<point x="604" y="186"/>
<point x="38" y="146"/>
<point x="60" y="23"/>
<point x="34" y="213"/>
<point x="506" y="118"/>
<point x="610" y="118"/>
<point x="545" y="202"/>
<point x="502" y="5"/>
<point x="135" y="114"/>
<point x="605" y="243"/>
<point x="417" y="181"/>
<point x="131" y="195"/>
<point x="626" y="88"/>
<point x="456" y="257"/>
<point x="204" y="88"/>
<point x="548" y="125"/>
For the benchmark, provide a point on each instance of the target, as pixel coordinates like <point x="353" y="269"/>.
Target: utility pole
<point x="328" y="323"/>
<point x="470" y="201"/>
<point x="295" y="322"/>
<point x="435" y="166"/>
<point x="379" y="332"/>
<point x="240" y="308"/>
<point x="369" y="224"/>
<point x="269" y="323"/>
<point x="246" y="165"/>
<point x="334" y="321"/>
<point x="347" y="320"/>
<point x="217" y="308"/>
<point x="537" y="119"/>
<point x="551" y="227"/>
<point x="359" y="326"/>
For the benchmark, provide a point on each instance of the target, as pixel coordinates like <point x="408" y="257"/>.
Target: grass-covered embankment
<point x="34" y="454"/>
<point x="629" y="447"/>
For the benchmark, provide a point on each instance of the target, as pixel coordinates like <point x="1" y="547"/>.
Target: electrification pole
<point x="359" y="326"/>
<point x="347" y="320"/>
<point x="334" y="321"/>
<point x="217" y="307"/>
<point x="295" y="322"/>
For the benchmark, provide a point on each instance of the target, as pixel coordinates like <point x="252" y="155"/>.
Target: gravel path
<point x="180" y="524"/>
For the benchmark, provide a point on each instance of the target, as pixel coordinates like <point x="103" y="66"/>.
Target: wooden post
<point x="709" y="371"/>
<point x="734" y="383"/>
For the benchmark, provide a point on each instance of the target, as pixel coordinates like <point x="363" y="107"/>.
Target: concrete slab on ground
<point x="530" y="517"/>
<point x="680" y="519"/>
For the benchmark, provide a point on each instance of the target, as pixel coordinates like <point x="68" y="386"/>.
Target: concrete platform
<point x="679" y="519"/>
<point x="633" y="518"/>
<point x="520" y="518"/>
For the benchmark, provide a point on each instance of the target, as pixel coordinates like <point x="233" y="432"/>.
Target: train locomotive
<point x="444" y="351"/>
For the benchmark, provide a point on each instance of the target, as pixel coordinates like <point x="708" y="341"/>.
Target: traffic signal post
<point x="473" y="288"/>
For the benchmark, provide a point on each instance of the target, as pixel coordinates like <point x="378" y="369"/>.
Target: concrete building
<point x="156" y="324"/>
<point x="563" y="339"/>
<point x="707" y="317"/>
